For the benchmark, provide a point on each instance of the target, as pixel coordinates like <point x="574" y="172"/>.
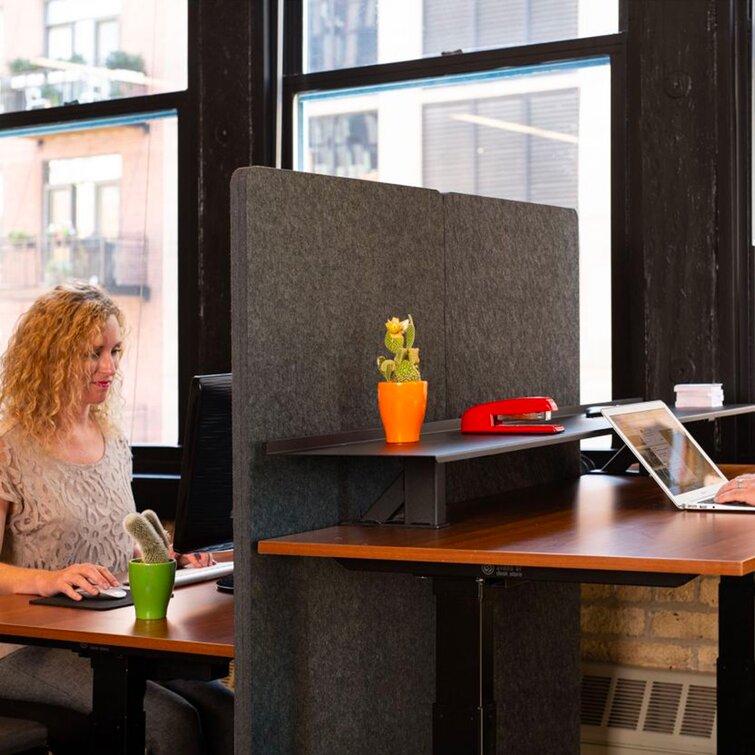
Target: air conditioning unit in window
<point x="629" y="711"/>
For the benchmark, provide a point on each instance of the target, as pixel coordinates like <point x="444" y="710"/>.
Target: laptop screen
<point x="666" y="448"/>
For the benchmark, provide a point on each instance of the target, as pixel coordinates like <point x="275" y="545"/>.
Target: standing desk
<point x="596" y="528"/>
<point x="194" y="642"/>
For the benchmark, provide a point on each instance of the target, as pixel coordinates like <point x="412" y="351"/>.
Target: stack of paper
<point x="699" y="395"/>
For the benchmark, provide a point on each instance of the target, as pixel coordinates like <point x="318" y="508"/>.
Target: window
<point x="349" y="33"/>
<point x="465" y="113"/>
<point x="89" y="176"/>
<point x="77" y="181"/>
<point x="75" y="51"/>
<point x="341" y="34"/>
<point x="106" y="41"/>
<point x="343" y="144"/>
<point x="99" y="204"/>
<point x="518" y="146"/>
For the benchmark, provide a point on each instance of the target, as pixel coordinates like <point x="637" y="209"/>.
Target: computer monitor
<point x="205" y="492"/>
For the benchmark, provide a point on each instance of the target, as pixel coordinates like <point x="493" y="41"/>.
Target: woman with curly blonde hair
<point x="41" y="386"/>
<point x="65" y="488"/>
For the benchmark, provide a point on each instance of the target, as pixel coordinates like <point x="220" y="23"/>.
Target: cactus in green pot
<point x="403" y="367"/>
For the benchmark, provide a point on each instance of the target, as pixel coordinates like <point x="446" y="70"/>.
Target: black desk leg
<point x="118" y="704"/>
<point x="736" y="666"/>
<point x="464" y="710"/>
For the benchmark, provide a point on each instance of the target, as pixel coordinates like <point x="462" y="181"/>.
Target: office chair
<point x="66" y="732"/>
<point x="22" y="737"/>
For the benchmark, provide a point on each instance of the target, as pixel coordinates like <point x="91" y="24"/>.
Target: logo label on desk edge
<point x="489" y="570"/>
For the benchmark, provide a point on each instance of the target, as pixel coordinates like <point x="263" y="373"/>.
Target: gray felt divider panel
<point x="330" y="660"/>
<point x="512" y="326"/>
<point x="512" y="308"/>
<point x="333" y="661"/>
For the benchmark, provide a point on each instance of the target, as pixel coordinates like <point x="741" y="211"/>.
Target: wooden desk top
<point x="200" y="622"/>
<point x="594" y="522"/>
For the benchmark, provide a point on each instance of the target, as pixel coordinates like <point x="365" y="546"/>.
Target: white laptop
<point x="670" y="454"/>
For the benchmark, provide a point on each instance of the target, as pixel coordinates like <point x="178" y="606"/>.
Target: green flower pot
<point x="151" y="586"/>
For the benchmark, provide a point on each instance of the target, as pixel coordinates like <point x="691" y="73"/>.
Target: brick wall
<point x="674" y="628"/>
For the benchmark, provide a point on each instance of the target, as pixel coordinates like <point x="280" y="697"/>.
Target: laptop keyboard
<point x="728" y="503"/>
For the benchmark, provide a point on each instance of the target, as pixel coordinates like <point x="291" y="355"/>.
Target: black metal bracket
<point x="419" y="491"/>
<point x="619" y="462"/>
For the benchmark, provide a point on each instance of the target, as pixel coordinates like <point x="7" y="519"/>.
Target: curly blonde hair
<point x="45" y="369"/>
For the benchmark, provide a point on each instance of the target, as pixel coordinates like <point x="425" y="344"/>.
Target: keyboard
<point x="203" y="574"/>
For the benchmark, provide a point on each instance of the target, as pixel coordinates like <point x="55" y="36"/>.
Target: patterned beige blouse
<point x="63" y="513"/>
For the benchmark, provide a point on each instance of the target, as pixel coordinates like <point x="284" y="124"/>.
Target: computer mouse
<point x="110" y="593"/>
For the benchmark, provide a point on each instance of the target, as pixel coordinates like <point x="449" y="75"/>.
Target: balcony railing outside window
<point x="36" y="89"/>
<point x="118" y="264"/>
<point x="59" y="52"/>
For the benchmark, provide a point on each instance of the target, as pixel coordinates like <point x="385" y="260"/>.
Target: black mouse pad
<point x="91" y="604"/>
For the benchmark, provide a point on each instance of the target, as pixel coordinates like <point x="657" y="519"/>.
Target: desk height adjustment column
<point x="117" y="718"/>
<point x="464" y="711"/>
<point x="735" y="686"/>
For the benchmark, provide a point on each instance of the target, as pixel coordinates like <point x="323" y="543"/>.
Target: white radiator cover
<point x="628" y="711"/>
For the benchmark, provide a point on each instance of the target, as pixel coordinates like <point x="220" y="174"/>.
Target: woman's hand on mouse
<point x="89" y="577"/>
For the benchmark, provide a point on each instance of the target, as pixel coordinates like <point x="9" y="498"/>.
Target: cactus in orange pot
<point x="402" y="395"/>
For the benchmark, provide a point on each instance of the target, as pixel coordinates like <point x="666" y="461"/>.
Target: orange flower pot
<point x="402" y="409"/>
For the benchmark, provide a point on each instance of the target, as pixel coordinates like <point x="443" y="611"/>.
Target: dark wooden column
<point x="214" y="138"/>
<point x="688" y="201"/>
<point x="216" y="141"/>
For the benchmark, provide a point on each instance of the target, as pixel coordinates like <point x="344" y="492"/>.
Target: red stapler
<point x="529" y="414"/>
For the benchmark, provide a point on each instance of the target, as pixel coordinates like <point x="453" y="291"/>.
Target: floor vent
<point x="626" y="711"/>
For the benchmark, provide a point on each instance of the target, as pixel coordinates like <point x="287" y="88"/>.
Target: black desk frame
<point x="464" y="711"/>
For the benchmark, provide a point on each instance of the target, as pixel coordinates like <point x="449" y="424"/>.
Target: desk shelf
<point x="421" y="487"/>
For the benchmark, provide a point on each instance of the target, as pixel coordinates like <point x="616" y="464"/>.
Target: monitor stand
<point x="225" y="584"/>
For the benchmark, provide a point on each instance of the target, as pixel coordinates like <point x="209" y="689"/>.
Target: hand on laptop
<point x="192" y="560"/>
<point x="195" y="560"/>
<point x="741" y="488"/>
